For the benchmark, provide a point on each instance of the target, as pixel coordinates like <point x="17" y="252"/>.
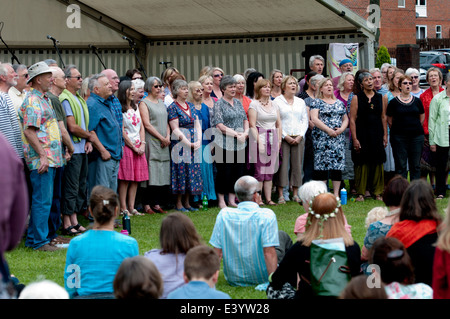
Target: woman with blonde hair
<point x="325" y="221"/>
<point x="217" y="74"/>
<point x="265" y="126"/>
<point x="276" y="77"/>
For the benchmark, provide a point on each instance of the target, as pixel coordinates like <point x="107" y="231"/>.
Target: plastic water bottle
<point x="343" y="196"/>
<point x="205" y="202"/>
<point x="126" y="223"/>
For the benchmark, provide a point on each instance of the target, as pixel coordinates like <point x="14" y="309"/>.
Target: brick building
<point x="404" y="21"/>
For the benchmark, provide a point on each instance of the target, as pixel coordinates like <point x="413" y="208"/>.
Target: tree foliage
<point x="382" y="57"/>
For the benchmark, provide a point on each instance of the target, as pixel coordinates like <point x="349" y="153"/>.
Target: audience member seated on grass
<point x="358" y="288"/>
<point x="201" y="272"/>
<point x="138" y="278"/>
<point x="396" y="270"/>
<point x="246" y="237"/>
<point x="417" y="228"/>
<point x="392" y="197"/>
<point x="307" y="192"/>
<point x="441" y="264"/>
<point x="45" y="289"/>
<point x="176" y="237"/>
<point x="94" y="257"/>
<point x="324" y="224"/>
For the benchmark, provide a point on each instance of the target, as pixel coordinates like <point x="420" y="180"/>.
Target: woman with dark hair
<point x="405" y="116"/>
<point x="157" y="138"/>
<point x="177" y="235"/>
<point x="133" y="166"/>
<point x="392" y="196"/>
<point x="99" y="252"/>
<point x="369" y="136"/>
<point x="134" y="74"/>
<point x="396" y="270"/>
<point x="250" y="83"/>
<point x="417" y="228"/>
<point x="231" y="133"/>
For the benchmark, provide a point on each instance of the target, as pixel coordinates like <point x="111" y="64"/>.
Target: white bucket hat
<point x="38" y="69"/>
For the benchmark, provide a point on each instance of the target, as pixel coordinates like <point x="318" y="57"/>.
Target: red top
<point x="426" y="98"/>
<point x="441" y="274"/>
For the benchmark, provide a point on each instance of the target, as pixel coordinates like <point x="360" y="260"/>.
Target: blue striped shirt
<point x="9" y="125"/>
<point x="242" y="233"/>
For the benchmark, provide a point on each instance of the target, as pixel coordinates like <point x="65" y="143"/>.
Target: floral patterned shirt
<point x="37" y="111"/>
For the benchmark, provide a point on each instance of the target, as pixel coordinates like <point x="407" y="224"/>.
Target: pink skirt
<point x="133" y="167"/>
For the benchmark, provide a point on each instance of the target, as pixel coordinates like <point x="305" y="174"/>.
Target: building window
<point x="421" y="8"/>
<point x="421" y="31"/>
<point x="438" y="32"/>
<point x="401" y="3"/>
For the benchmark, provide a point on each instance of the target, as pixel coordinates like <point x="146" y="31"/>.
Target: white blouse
<point x="294" y="118"/>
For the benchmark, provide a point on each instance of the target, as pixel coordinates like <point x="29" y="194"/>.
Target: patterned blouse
<point x="233" y="117"/>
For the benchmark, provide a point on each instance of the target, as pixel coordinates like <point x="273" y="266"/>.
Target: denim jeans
<point x="54" y="221"/>
<point x="103" y="173"/>
<point x="407" y="151"/>
<point x="41" y="203"/>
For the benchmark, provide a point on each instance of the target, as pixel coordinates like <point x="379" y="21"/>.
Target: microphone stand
<point x="141" y="67"/>
<point x="59" y="53"/>
<point x="13" y="57"/>
<point x="165" y="64"/>
<point x="94" y="49"/>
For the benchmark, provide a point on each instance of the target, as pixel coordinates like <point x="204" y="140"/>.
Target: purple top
<point x="171" y="267"/>
<point x="14" y="198"/>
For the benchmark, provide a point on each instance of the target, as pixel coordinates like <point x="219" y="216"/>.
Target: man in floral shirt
<point x="42" y="147"/>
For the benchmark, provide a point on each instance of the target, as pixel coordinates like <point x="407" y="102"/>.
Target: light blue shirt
<point x="78" y="147"/>
<point x="242" y="233"/>
<point x="96" y="256"/>
<point x="197" y="290"/>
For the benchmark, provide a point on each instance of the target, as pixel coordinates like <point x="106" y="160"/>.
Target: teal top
<point x="438" y="122"/>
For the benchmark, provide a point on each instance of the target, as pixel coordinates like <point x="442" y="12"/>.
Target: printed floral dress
<point x="186" y="174"/>
<point x="329" y="153"/>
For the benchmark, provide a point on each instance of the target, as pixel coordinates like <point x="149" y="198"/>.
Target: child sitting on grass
<point x="201" y="272"/>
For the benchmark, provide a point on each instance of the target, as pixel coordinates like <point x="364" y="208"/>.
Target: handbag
<point x="329" y="267"/>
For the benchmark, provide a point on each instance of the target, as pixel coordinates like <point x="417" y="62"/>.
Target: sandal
<point x="296" y="198"/>
<point x="360" y="198"/>
<point x="281" y="200"/>
<point x="78" y="226"/>
<point x="68" y="231"/>
<point x="271" y="203"/>
<point x="148" y="210"/>
<point x="134" y="212"/>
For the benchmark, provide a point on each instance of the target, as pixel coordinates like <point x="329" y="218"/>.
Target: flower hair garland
<point x="323" y="217"/>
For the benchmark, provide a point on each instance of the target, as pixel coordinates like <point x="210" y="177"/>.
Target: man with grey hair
<point x="43" y="153"/>
<point x="17" y="92"/>
<point x="76" y="171"/>
<point x="378" y="81"/>
<point x="316" y="64"/>
<point x="107" y="135"/>
<point x="246" y="237"/>
<point x="9" y="126"/>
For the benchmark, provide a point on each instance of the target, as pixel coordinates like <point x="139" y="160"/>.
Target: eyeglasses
<point x="137" y="78"/>
<point x="75" y="77"/>
<point x="25" y="76"/>
<point x="157" y="86"/>
<point x="415" y="77"/>
<point x="217" y="75"/>
<point x="407" y="83"/>
<point x="199" y="90"/>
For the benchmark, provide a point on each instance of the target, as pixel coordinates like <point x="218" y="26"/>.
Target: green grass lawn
<point x="28" y="265"/>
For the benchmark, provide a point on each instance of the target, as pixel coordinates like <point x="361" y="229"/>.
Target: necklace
<point x="264" y="103"/>
<point x="403" y="99"/>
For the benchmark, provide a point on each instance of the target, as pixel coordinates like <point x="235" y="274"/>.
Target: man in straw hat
<point x="43" y="153"/>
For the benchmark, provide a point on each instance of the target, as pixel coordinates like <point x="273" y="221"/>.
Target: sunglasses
<point x="157" y="86"/>
<point x="407" y="83"/>
<point x="25" y="76"/>
<point x="75" y="77"/>
<point x="199" y="90"/>
<point x="137" y="78"/>
<point x="217" y="75"/>
<point x="415" y="77"/>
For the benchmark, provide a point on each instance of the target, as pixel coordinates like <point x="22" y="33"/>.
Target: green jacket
<point x="438" y="121"/>
<point x="66" y="95"/>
